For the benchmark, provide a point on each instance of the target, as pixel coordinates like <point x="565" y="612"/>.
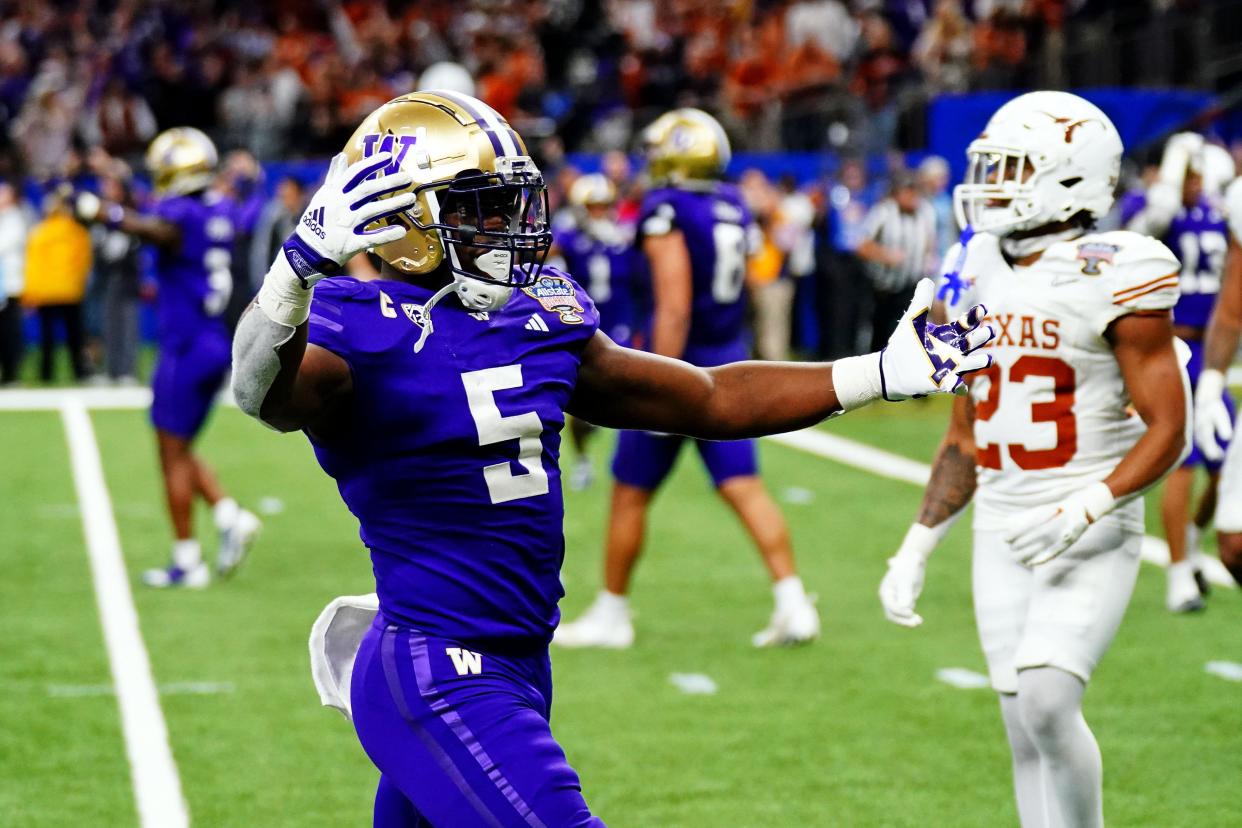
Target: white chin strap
<point x="475" y="295"/>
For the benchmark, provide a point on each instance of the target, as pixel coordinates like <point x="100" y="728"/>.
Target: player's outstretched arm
<point x="1159" y="392"/>
<point x="1213" y="426"/>
<point x="622" y="388"/>
<point x="91" y="209"/>
<point x="949" y="490"/>
<point x="277" y="377"/>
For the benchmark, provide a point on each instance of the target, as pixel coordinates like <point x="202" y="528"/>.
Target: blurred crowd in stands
<point x="291" y="78"/>
<point x="85" y="85"/>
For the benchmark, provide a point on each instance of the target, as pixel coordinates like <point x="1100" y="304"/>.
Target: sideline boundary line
<point x="809" y="440"/>
<point x="895" y="467"/>
<point x="153" y="772"/>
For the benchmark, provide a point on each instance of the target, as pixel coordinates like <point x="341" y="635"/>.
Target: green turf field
<point x="853" y="731"/>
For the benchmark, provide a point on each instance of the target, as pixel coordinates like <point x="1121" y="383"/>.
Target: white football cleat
<point x="791" y="625"/>
<point x="174" y="577"/>
<point x="1183" y="590"/>
<point x="235" y="542"/>
<point x="606" y="624"/>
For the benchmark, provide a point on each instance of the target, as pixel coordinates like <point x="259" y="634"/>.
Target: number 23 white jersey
<point x="1052" y="412"/>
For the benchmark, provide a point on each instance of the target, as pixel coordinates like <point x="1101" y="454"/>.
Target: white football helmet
<point x="1042" y="158"/>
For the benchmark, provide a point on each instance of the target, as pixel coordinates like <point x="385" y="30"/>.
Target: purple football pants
<point x="644" y="460"/>
<point x="185" y="383"/>
<point x="461" y="741"/>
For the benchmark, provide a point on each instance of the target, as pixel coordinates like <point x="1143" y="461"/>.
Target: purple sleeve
<point x="172" y="210"/>
<point x="328" y="314"/>
<point x="1131" y="203"/>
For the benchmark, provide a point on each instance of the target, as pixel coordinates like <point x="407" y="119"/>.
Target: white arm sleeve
<point x="255" y="359"/>
<point x="281" y="306"/>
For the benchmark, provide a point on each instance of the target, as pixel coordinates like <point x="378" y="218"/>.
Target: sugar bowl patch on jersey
<point x="1094" y="252"/>
<point x="557" y="294"/>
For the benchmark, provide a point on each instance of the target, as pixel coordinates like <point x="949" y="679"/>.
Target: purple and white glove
<point x="331" y="231"/>
<point x="920" y="358"/>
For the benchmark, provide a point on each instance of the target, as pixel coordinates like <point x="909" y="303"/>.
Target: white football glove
<point x="921" y="358"/>
<point x="1042" y="533"/>
<point x="1213" y="425"/>
<point x="331" y="232"/>
<point x="903" y="582"/>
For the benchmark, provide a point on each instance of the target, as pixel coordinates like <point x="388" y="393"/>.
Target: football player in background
<point x="1083" y="409"/>
<point x="696" y="233"/>
<point x="192" y="230"/>
<point x="1214" y="422"/>
<point x="1183" y="208"/>
<point x="435" y="396"/>
<point x="600" y="250"/>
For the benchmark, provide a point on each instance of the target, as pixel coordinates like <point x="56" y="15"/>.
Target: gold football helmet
<point x="686" y="145"/>
<point x="591" y="190"/>
<point x="181" y="160"/>
<point x="481" y="199"/>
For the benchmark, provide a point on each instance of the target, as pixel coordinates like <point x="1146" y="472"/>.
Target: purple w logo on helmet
<point x="398" y="145"/>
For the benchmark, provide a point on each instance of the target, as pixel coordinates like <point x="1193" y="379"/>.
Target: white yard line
<point x="157" y="787"/>
<point x="694" y="684"/>
<point x="962" y="678"/>
<point x="52" y="399"/>
<point x="895" y="467"/>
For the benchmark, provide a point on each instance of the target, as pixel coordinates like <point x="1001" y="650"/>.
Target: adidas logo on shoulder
<point x="313" y="219"/>
<point x="536" y="323"/>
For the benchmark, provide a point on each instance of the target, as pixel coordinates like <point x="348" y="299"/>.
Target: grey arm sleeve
<point x="255" y="360"/>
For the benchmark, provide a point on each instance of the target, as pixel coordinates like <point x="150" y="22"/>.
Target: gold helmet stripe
<point x="504" y="139"/>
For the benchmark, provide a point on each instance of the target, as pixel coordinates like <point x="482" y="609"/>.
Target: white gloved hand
<point x="902" y="584"/>
<point x="1213" y="425"/>
<point x="921" y="358"/>
<point x="331" y="231"/>
<point x="90" y="208"/>
<point x="1042" y="533"/>
<point x="87" y="206"/>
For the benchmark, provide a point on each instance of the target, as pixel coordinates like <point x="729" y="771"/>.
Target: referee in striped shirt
<point x="899" y="248"/>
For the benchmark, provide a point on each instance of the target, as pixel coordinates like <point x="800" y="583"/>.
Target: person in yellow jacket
<point x="58" y="263"/>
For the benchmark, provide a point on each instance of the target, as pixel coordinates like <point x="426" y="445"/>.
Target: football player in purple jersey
<point x="696" y="233"/>
<point x="597" y="247"/>
<point x="435" y="397"/>
<point x="192" y="230"/>
<point x="1183" y="208"/>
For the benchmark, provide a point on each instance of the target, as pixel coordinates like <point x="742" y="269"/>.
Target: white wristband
<point x="1211" y="384"/>
<point x="282" y="297"/>
<point x="921" y="540"/>
<point x="856" y="380"/>
<point x="1098" y="500"/>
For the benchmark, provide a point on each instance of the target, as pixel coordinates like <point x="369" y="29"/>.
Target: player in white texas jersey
<point x="1082" y="409"/>
<point x="1051" y="414"/>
